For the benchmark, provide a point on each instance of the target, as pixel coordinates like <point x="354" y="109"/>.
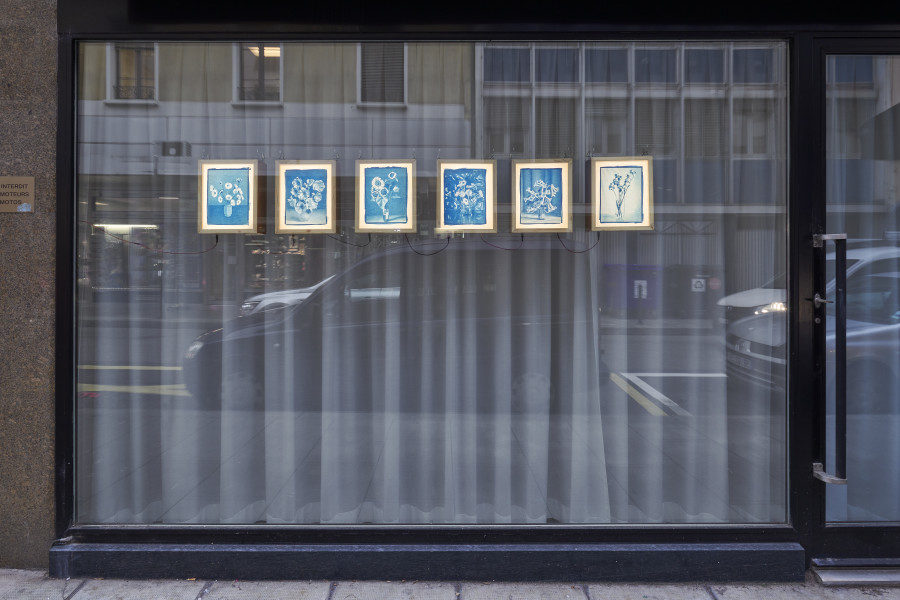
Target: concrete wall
<point x="27" y="288"/>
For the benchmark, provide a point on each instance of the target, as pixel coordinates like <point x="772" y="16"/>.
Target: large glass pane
<point x="346" y="377"/>
<point x="863" y="114"/>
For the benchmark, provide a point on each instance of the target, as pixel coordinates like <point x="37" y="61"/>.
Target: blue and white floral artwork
<point x="465" y="197"/>
<point x="620" y="198"/>
<point x="305" y="197"/>
<point x="622" y="193"/>
<point x="228" y="196"/>
<point x="385" y="196"/>
<point x="542" y="196"/>
<point x="386" y="191"/>
<point x="307" y="193"/>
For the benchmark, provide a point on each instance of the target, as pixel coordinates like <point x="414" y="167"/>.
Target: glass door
<point x="857" y="307"/>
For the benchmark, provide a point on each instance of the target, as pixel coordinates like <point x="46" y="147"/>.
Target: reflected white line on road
<point x="159" y="390"/>
<point x="127" y="368"/>
<point x="635" y="378"/>
<point x="678" y="374"/>
<point x="637" y="396"/>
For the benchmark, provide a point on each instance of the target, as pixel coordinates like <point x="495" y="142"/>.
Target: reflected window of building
<point x="753" y="65"/>
<point x="704" y="66"/>
<point x="859" y="70"/>
<point x="507" y="125"/>
<point x="754" y="126"/>
<point x="607" y="127"/>
<point x="132" y="71"/>
<point x="606" y="65"/>
<point x="557" y="65"/>
<point x="258" y="73"/>
<point x="381" y="77"/>
<point x="655" y="65"/>
<point x="507" y="65"/>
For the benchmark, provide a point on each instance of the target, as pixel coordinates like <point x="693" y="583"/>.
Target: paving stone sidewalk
<point x="32" y="585"/>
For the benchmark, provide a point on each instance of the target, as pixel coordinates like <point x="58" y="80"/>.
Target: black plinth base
<point x="444" y="562"/>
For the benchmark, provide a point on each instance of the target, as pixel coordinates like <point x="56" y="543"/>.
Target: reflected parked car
<point x="459" y="324"/>
<point x="771" y="296"/>
<point x="277" y="299"/>
<point x="756" y="350"/>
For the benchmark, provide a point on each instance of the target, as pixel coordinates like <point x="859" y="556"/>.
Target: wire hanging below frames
<point x="519" y="247"/>
<point x="563" y="244"/>
<point x="425" y="253"/>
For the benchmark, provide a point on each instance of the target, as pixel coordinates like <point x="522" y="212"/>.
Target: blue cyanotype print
<point x="228" y="196"/>
<point x="465" y="196"/>
<point x="540" y="196"/>
<point x="621" y="195"/>
<point x="386" y="195"/>
<point x="306" y="197"/>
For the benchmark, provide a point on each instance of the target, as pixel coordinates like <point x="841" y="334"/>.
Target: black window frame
<point x="514" y="552"/>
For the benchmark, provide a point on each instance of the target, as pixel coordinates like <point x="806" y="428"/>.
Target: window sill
<point x="123" y="102"/>
<point x="258" y="103"/>
<point x="393" y="105"/>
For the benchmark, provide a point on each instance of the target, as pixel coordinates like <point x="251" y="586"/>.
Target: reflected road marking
<point x="656" y="394"/>
<point x="637" y="396"/>
<point x="160" y="390"/>
<point x="127" y="368"/>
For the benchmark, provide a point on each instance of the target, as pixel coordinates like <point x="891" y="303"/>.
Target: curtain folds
<point x="476" y="379"/>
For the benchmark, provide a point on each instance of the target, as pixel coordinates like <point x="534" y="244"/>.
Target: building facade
<point x="468" y="300"/>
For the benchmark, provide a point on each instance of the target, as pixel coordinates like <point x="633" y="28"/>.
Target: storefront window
<point x="342" y="376"/>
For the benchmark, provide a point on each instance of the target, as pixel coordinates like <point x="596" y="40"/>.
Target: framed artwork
<point x="622" y="193"/>
<point x="306" y="197"/>
<point x="227" y="196"/>
<point x="386" y="196"/>
<point x="542" y="195"/>
<point x="467" y="196"/>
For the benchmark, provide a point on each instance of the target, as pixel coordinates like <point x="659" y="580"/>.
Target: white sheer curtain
<point x="493" y="379"/>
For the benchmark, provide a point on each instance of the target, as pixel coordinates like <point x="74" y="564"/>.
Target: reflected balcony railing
<point x="135" y="92"/>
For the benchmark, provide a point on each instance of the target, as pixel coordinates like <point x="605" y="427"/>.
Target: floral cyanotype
<point x="228" y="190"/>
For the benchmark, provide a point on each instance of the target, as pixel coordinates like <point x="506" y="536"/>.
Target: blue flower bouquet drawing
<point x="542" y="201"/>
<point x="622" y="193"/>
<point x="386" y="196"/>
<point x="467" y="196"/>
<point x="306" y="197"/>
<point x="227" y="197"/>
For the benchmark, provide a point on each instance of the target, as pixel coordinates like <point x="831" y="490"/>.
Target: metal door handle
<point x="840" y="359"/>
<point x="819" y="300"/>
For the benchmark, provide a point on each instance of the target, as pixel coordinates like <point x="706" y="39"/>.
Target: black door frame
<point x="823" y="541"/>
<point x="766" y="552"/>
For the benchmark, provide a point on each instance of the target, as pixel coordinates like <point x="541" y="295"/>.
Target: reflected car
<point x="756" y="346"/>
<point x="467" y="324"/>
<point x="278" y="299"/>
<point x="771" y="296"/>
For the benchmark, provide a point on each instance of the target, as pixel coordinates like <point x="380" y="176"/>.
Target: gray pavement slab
<point x="639" y="591"/>
<point x="396" y="590"/>
<point x="34" y="585"/>
<point x="522" y="591"/>
<point x="801" y="591"/>
<point x="127" y="589"/>
<point x="269" y="590"/>
<point x="18" y="584"/>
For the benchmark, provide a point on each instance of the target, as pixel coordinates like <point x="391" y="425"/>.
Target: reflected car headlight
<point x="193" y="349"/>
<point x="247" y="308"/>
<point x="771" y="307"/>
